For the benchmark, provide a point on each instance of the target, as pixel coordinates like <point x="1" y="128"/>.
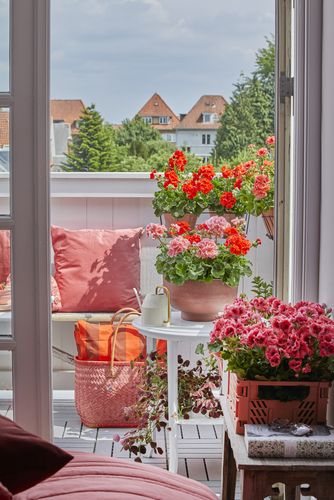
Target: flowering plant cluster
<point x="265" y="338"/>
<point x="247" y="187"/>
<point x="213" y="250"/>
<point x="182" y="189"/>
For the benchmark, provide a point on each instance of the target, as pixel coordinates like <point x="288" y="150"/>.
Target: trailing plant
<point x="195" y="385"/>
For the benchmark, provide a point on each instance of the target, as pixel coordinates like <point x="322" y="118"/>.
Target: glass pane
<point x="5" y="286"/>
<point x="6" y="384"/>
<point x="4" y="45"/>
<point x="5" y="141"/>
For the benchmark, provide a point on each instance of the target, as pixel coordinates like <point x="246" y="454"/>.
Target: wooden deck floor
<point x="200" y="447"/>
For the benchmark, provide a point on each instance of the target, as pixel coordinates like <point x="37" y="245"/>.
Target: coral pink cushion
<point x="4" y="255"/>
<point x="96" y="269"/>
<point x="90" y="477"/>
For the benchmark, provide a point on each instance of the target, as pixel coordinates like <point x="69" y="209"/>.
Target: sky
<point x="117" y="53"/>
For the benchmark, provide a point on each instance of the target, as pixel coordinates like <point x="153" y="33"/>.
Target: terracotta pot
<point x="268" y="219"/>
<point x="199" y="301"/>
<point x="190" y="218"/>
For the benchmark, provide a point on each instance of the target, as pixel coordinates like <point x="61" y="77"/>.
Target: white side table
<point x="179" y="331"/>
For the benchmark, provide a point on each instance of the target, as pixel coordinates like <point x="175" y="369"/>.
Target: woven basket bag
<point x="104" y="389"/>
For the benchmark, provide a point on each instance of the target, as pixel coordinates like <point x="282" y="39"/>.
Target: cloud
<point x="118" y="52"/>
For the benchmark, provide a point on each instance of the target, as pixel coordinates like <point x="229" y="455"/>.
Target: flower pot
<point x="190" y="218"/>
<point x="250" y="403"/>
<point x="200" y="301"/>
<point x="268" y="219"/>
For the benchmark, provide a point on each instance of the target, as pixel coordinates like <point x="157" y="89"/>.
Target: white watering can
<point x="156" y="309"/>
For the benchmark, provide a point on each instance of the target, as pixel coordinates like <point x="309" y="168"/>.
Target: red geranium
<point x="172" y="179"/>
<point x="190" y="188"/>
<point x="204" y="186"/>
<point x="228" y="200"/>
<point x="238" y="244"/>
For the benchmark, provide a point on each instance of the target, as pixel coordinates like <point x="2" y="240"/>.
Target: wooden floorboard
<point x="200" y="447"/>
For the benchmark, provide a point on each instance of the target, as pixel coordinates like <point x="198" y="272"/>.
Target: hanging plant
<point x="195" y="395"/>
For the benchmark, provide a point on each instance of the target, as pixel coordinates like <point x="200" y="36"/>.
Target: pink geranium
<point x="268" y="338"/>
<point x="156" y="231"/>
<point x="178" y="245"/>
<point x="216" y="226"/>
<point x="261" y="186"/>
<point x="206" y="249"/>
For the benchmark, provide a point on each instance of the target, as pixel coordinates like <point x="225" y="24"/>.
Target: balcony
<point x="120" y="200"/>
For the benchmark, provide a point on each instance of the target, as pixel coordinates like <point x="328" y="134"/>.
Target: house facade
<point x="196" y="132"/>
<point x="157" y="113"/>
<point x="65" y="116"/>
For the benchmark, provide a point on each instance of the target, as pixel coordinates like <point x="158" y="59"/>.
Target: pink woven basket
<point x="100" y="399"/>
<point x="103" y="389"/>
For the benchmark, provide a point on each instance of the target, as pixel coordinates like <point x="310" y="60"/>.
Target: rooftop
<point x="67" y="110"/>
<point x="157" y="107"/>
<point x="207" y="104"/>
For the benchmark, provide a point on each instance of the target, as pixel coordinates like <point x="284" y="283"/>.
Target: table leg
<point x="229" y="471"/>
<point x="151" y="346"/>
<point x="172" y="349"/>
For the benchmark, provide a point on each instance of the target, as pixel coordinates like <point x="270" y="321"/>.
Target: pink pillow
<point x="4" y="255"/>
<point x="55" y="296"/>
<point x="96" y="269"/>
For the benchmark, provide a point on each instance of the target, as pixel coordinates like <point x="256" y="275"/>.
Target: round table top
<point x="179" y="330"/>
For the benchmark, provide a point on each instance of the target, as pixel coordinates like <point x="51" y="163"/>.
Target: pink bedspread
<point x="91" y="477"/>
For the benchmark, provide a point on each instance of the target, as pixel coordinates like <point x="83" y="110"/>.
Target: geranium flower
<point x="156" y="231"/>
<point x="206" y="171"/>
<point x="227" y="200"/>
<point x="178" y="245"/>
<point x="217" y="225"/>
<point x="152" y="174"/>
<point x="179" y="228"/>
<point x="206" y="249"/>
<point x="270" y="140"/>
<point x="204" y="185"/>
<point x="261" y="186"/>
<point x="190" y="189"/>
<point x="177" y="160"/>
<point x="262" y="152"/>
<point x="172" y="179"/>
<point x="238" y="244"/>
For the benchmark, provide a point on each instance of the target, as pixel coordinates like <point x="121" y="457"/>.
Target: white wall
<point x="193" y="139"/>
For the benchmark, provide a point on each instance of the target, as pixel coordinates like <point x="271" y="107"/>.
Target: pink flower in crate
<point x="216" y="226"/>
<point x="206" y="249"/>
<point x="156" y="231"/>
<point x="178" y="245"/>
<point x="273" y="355"/>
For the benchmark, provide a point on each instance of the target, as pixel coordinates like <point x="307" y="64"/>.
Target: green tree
<point x="93" y="148"/>
<point x="140" y="138"/>
<point x="249" y="118"/>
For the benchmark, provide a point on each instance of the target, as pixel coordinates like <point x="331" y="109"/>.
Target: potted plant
<point x="195" y="396"/>
<point x="280" y="359"/>
<point x="201" y="270"/>
<point x="246" y="186"/>
<point x="183" y="189"/>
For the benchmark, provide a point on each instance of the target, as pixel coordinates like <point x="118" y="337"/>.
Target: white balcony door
<point x="24" y="96"/>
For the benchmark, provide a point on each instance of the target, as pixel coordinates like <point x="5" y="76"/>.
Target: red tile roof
<point x="206" y="104"/>
<point x="4" y="128"/>
<point x="156" y="107"/>
<point x="67" y="110"/>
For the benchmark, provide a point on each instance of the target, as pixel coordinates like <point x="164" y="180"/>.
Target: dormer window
<point x="207" y="117"/>
<point x="163" y="120"/>
<point x="147" y="119"/>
